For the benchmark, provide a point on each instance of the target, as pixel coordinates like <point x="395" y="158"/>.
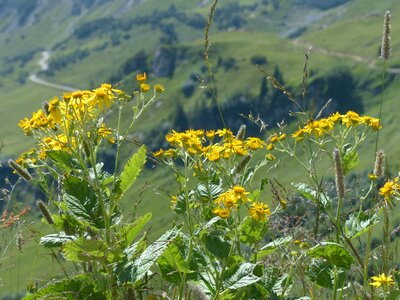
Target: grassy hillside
<point x="343" y="37"/>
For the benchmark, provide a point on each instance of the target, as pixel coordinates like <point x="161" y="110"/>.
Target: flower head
<point x="382" y="280"/>
<point x="259" y="211"/>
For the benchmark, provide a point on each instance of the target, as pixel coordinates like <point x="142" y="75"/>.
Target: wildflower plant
<point x="224" y="217"/>
<point x="110" y="256"/>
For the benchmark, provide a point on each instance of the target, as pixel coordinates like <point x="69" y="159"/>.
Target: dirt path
<point x="44" y="65"/>
<point x="370" y="63"/>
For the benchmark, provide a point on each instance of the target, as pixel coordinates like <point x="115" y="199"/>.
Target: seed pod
<point x="379" y="163"/>
<point x="241" y="133"/>
<point x="385" y="48"/>
<point x="18" y="240"/>
<point x="19" y="170"/>
<point x="339" y="179"/>
<point x="45" y="211"/>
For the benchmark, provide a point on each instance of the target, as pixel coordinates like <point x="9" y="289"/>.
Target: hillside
<point x="51" y="46"/>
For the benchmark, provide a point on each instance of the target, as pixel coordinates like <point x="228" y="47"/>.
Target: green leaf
<point x="313" y="195"/>
<point x="349" y="159"/>
<point x="252" y="232"/>
<point x="131" y="231"/>
<point x="335" y="254"/>
<point x="84" y="250"/>
<point x="283" y="285"/>
<point x="207" y="225"/>
<point x="78" y="287"/>
<point x="131" y="171"/>
<point x="210" y="192"/>
<point x="358" y="223"/>
<point x="81" y="201"/>
<point x="61" y="158"/>
<point x="216" y="245"/>
<point x="55" y="240"/>
<point x="149" y="256"/>
<point x="172" y="264"/>
<point x="243" y="277"/>
<point x="273" y="246"/>
<point x="322" y="274"/>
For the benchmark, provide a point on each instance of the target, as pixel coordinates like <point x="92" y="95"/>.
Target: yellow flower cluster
<point x="200" y="142"/>
<point x="390" y="189"/>
<point x="76" y="106"/>
<point x="233" y="198"/>
<point x="76" y="111"/>
<point x="321" y="127"/>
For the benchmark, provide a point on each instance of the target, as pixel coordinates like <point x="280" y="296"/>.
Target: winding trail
<point x="44" y="65"/>
<point x="370" y="63"/>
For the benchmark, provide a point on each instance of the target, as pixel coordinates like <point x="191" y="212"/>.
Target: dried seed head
<point x="339" y="179"/>
<point x="196" y="292"/>
<point x="19" y="170"/>
<point x="241" y="133"/>
<point x="18" y="240"/>
<point x="45" y="107"/>
<point x="243" y="164"/>
<point x="45" y="211"/>
<point x="379" y="163"/>
<point x="385" y="47"/>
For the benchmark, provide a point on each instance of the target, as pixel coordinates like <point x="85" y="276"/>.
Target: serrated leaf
<point x="131" y="170"/>
<point x="252" y="231"/>
<point x="273" y="246"/>
<point x="282" y="285"/>
<point x="321" y="273"/>
<point x="313" y="195"/>
<point x="216" y="245"/>
<point x="243" y="277"/>
<point x="84" y="250"/>
<point x="81" y="201"/>
<point x="149" y="256"/>
<point x="78" y="287"/>
<point x="172" y="264"/>
<point x="210" y="192"/>
<point x="358" y="223"/>
<point x="55" y="240"/>
<point x="334" y="254"/>
<point x="349" y="159"/>
<point x="207" y="225"/>
<point x="131" y="231"/>
<point x="62" y="158"/>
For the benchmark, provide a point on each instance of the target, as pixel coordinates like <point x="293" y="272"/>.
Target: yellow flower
<point x="258" y="211"/>
<point x="382" y="280"/>
<point x="390" y="188"/>
<point x="210" y="134"/>
<point x="141" y="77"/>
<point x="225" y="133"/>
<point x="334" y="117"/>
<point x="174" y="201"/>
<point x="299" y="134"/>
<point x="54" y="110"/>
<point x="222" y="212"/>
<point x="254" y="143"/>
<point x="270" y="157"/>
<point x="25" y="125"/>
<point x="159" y="88"/>
<point x="274" y="138"/>
<point x="350" y="118"/>
<point x="240" y="193"/>
<point x="105" y="133"/>
<point x="144" y="87"/>
<point x="158" y="153"/>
